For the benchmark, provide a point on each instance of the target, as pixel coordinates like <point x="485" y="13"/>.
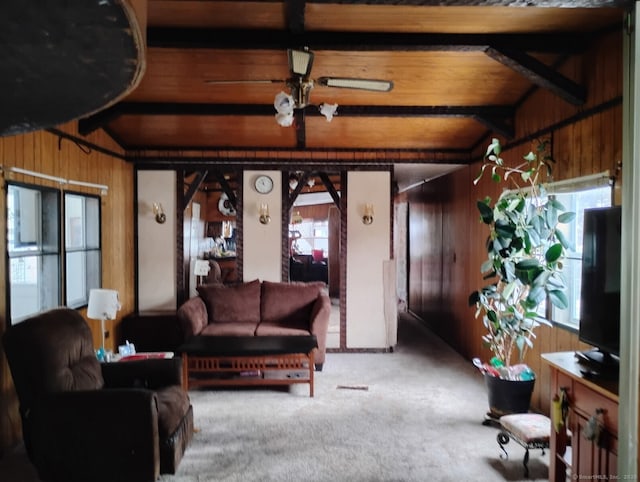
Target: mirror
<point x="314" y="235"/>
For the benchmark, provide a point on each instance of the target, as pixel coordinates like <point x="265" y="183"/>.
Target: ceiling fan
<point x="301" y="84"/>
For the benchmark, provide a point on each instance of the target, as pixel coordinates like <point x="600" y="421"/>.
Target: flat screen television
<point x="600" y="293"/>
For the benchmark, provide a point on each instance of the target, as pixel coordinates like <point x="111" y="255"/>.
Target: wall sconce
<point x="264" y="214"/>
<point x="367" y="217"/>
<point x="158" y="212"/>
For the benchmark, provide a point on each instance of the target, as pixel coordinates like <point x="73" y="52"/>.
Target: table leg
<point x="185" y="371"/>
<point x="312" y="367"/>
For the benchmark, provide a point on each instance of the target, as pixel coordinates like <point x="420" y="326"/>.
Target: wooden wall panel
<point x="45" y="153"/>
<point x="590" y="144"/>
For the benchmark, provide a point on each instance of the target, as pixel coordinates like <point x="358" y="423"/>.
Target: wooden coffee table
<point x="248" y="360"/>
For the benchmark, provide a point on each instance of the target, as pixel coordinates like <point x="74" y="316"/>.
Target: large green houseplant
<point x="525" y="250"/>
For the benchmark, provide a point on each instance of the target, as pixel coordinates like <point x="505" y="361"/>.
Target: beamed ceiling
<point x="459" y="69"/>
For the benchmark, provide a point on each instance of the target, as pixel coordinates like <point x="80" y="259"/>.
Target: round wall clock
<point x="263" y="184"/>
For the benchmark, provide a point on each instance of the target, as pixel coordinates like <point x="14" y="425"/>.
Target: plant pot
<point x="508" y="396"/>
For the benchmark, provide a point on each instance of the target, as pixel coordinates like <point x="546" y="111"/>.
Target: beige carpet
<point x="419" y="420"/>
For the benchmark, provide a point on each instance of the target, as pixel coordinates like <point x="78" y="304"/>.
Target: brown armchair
<point x="83" y="420"/>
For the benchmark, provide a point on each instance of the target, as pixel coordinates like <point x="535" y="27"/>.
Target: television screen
<point x="600" y="295"/>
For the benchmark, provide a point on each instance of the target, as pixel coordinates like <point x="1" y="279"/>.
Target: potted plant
<point x="525" y="250"/>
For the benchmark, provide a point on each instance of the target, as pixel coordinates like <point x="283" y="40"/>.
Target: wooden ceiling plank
<point x="539" y="74"/>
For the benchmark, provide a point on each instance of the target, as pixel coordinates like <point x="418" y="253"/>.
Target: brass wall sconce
<point x="158" y="212"/>
<point x="264" y="214"/>
<point x="367" y="217"/>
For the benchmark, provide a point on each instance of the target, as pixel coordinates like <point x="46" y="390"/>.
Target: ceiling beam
<point x="490" y="113"/>
<point x="539" y="74"/>
<point x="492" y="3"/>
<point x="295" y="15"/>
<point x="193" y="188"/>
<point x="324" y="177"/>
<point x="498" y="117"/>
<point x="169" y="108"/>
<point x="218" y="176"/>
<point x="200" y="38"/>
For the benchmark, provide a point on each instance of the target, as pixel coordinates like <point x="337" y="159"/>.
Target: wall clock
<point x="263" y="184"/>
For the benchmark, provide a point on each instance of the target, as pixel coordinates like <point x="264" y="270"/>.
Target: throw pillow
<point x="232" y="304"/>
<point x="289" y="302"/>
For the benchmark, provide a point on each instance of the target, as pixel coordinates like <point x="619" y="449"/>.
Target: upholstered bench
<point x="530" y="430"/>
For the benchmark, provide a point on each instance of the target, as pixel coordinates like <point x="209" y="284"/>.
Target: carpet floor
<point x="414" y="414"/>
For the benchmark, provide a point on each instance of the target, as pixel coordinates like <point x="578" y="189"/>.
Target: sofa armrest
<point x="152" y="374"/>
<point x="110" y="433"/>
<point x="193" y="316"/>
<point x="319" y="324"/>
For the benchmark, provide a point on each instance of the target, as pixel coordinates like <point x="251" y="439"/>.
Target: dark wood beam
<point x="539" y="74"/>
<point x="504" y="127"/>
<point x="91" y="123"/>
<point x="490" y="3"/>
<point x="301" y="128"/>
<point x="295" y="15"/>
<point x="331" y="189"/>
<point x="226" y="188"/>
<point x="169" y="108"/>
<point x="193" y="188"/>
<point x="196" y="38"/>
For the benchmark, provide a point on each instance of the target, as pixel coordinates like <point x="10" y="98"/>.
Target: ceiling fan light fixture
<point x="284" y="103"/>
<point x="285" y="120"/>
<point x="328" y="110"/>
<point x="300" y="62"/>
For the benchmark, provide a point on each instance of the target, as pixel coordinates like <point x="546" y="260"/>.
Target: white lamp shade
<point x="103" y="304"/>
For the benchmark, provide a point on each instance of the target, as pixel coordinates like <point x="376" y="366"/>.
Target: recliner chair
<point x="85" y="420"/>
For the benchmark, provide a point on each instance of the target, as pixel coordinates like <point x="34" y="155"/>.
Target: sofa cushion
<point x="289" y="304"/>
<point x="270" y="328"/>
<point x="229" y="329"/>
<point x="232" y="304"/>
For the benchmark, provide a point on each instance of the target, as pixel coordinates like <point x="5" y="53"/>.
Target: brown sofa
<point x="258" y="308"/>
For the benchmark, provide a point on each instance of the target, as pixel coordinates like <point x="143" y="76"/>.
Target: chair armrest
<point x="109" y="434"/>
<point x="319" y="323"/>
<point x="152" y="373"/>
<point x="193" y="316"/>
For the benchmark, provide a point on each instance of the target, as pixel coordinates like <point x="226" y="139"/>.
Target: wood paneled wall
<point x="46" y="153"/>
<point x="446" y="237"/>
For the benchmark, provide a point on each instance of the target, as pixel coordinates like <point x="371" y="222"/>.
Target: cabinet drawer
<point x="586" y="401"/>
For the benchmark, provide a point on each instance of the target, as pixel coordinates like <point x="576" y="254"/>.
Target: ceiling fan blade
<point x="255" y="81"/>
<point x="362" y="84"/>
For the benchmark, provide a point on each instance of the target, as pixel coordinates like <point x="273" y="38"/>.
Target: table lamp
<point x="103" y="305"/>
<point x="201" y="268"/>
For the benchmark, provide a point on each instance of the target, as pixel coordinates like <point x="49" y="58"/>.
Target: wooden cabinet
<point x="580" y="457"/>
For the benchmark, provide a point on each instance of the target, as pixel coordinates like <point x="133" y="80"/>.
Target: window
<point x="82" y="247"/>
<point x="577" y="196"/>
<point x="310" y="235"/>
<point x="33" y="248"/>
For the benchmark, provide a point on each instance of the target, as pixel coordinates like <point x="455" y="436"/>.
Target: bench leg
<point x="503" y="439"/>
